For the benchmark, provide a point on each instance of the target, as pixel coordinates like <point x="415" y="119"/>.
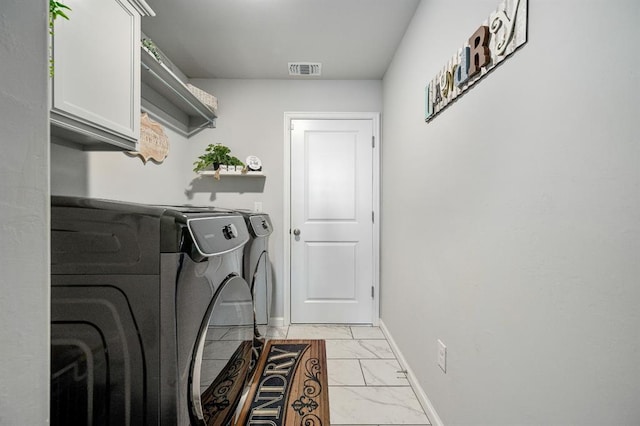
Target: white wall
<point x="523" y="253"/>
<point x="24" y="217"/>
<point x="251" y="122"/>
<point x="69" y="169"/>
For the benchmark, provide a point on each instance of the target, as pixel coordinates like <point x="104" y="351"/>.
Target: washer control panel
<point x="260" y="225"/>
<point x="218" y="235"/>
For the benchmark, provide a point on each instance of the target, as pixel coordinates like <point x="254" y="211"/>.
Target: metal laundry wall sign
<point x="496" y="39"/>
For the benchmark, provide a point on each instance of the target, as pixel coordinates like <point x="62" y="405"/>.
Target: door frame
<point x="375" y="119"/>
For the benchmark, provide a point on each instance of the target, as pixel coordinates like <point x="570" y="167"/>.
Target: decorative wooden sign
<point x="496" y="39"/>
<point x="153" y="143"/>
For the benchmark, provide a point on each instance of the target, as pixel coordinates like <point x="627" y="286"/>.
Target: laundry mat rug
<point x="290" y="386"/>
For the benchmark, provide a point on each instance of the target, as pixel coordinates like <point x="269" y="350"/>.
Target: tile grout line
<point x="364" y="377"/>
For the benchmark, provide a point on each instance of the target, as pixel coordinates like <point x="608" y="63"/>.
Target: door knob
<point x="296" y="232"/>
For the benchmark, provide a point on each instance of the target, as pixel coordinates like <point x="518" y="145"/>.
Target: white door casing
<point x="333" y="199"/>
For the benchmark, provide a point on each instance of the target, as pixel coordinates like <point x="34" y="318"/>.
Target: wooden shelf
<point x="168" y="100"/>
<point x="232" y="173"/>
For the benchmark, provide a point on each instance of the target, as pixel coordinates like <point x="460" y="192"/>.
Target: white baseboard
<point x="422" y="396"/>
<point x="276" y="322"/>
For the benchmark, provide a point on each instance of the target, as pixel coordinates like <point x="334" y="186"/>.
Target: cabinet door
<point x="96" y="83"/>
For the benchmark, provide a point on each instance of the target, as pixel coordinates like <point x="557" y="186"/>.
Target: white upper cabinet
<point x="96" y="83"/>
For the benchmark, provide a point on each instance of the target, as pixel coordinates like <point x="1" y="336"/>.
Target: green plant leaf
<point x="62" y="14"/>
<point x="56" y="9"/>
<point x="62" y="6"/>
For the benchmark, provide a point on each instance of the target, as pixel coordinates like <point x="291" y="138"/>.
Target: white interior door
<point x="331" y="221"/>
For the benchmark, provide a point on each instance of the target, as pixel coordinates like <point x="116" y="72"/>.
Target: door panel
<point x="331" y="205"/>
<point x="331" y="271"/>
<point x="331" y="166"/>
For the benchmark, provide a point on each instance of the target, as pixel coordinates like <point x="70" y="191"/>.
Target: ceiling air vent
<point x="305" y="68"/>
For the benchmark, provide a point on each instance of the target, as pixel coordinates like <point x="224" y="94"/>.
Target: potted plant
<point x="214" y="156"/>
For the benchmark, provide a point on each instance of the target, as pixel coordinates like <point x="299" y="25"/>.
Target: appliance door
<point x="223" y="358"/>
<point x="261" y="285"/>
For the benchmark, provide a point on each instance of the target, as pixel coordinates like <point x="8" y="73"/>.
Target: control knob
<point x="230" y="231"/>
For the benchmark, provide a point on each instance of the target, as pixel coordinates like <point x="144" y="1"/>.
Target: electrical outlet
<point x="442" y="356"/>
<point x="257" y="206"/>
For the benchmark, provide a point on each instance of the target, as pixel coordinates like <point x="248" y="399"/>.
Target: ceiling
<point x="353" y="39"/>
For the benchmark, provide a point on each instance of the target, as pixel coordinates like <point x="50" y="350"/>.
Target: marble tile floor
<point x="366" y="386"/>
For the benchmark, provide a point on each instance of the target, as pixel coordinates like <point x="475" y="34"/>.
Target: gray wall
<point x="24" y="218"/>
<point x="523" y="197"/>
<point x="251" y="122"/>
<point x="69" y="169"/>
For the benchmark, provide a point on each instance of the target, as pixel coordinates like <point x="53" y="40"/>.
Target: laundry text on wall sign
<point x="496" y="39"/>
